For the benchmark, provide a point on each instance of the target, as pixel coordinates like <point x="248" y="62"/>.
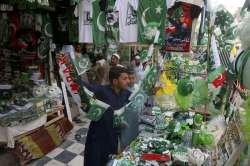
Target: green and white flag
<point x="151" y="16"/>
<point x="137" y="101"/>
<point x="150" y="78"/>
<point x="97" y="109"/>
<point x="98" y="25"/>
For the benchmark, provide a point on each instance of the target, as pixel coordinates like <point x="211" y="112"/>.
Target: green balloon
<point x="185" y="87"/>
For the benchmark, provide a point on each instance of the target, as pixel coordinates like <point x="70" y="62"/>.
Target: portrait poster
<point x="179" y="26"/>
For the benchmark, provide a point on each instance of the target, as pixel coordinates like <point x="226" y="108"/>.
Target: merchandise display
<point x="30" y="98"/>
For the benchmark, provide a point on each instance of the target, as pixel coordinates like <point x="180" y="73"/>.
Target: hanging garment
<point x="84" y="12"/>
<point x="151" y="17"/>
<point x="127" y="20"/>
<point x="99" y="25"/>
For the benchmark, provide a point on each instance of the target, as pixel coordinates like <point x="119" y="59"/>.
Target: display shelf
<point x="52" y="117"/>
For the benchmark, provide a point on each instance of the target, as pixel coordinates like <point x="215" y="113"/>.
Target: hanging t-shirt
<point x="112" y="22"/>
<point x="84" y="11"/>
<point x="127" y="20"/>
<point x="151" y="17"/>
<point x="99" y="24"/>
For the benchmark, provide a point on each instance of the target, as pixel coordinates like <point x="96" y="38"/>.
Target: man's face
<point x="78" y="48"/>
<point x="114" y="60"/>
<point x="137" y="62"/>
<point x="131" y="79"/>
<point x="122" y="82"/>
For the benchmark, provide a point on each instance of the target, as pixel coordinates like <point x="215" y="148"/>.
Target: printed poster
<point x="179" y="27"/>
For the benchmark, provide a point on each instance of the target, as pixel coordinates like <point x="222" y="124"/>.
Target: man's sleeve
<point x="93" y="88"/>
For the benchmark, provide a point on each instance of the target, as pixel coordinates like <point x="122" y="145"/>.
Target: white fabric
<point x="194" y="2"/>
<point x="139" y="72"/>
<point x="217" y="61"/>
<point x="128" y="30"/>
<point x="84" y="12"/>
<point x="170" y="3"/>
<point x="7" y="134"/>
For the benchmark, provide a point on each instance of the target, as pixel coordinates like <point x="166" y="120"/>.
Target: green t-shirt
<point x="99" y="25"/>
<point x="151" y="16"/>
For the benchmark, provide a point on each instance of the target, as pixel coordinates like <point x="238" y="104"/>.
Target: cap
<point x="116" y="55"/>
<point x="137" y="57"/>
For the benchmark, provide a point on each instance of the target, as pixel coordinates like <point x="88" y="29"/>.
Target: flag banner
<point x="151" y="18"/>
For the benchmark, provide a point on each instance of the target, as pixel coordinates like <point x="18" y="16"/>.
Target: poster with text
<point x="179" y="26"/>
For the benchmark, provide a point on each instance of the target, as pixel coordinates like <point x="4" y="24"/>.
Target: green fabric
<point x="214" y="74"/>
<point x="82" y="64"/>
<point x="73" y="29"/>
<point x="112" y="24"/>
<point x="119" y="121"/>
<point x="96" y="111"/>
<point x="99" y="24"/>
<point x="151" y="16"/>
<point x="200" y="93"/>
<point x="184" y="102"/>
<point x="44" y="44"/>
<point x="137" y="102"/>
<point x="85" y="97"/>
<point x="47" y="28"/>
<point x="242" y="68"/>
<point x="149" y="79"/>
<point x="144" y="55"/>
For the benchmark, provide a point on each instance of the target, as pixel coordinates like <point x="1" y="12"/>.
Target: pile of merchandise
<point x="24" y="102"/>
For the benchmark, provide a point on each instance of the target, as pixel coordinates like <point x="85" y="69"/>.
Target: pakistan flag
<point x="99" y="24"/>
<point x="151" y="17"/>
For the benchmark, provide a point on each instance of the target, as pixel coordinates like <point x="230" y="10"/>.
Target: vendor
<point x="102" y="138"/>
<point x="138" y="68"/>
<point x="115" y="59"/>
<point x="103" y="67"/>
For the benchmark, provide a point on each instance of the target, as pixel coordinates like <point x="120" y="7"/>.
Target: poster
<point x="179" y="27"/>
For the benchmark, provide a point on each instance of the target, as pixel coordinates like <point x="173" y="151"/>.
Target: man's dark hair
<point x="115" y="72"/>
<point x="130" y="70"/>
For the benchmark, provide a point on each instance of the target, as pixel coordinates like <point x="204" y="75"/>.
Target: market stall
<point x="186" y="107"/>
<point x="31" y="101"/>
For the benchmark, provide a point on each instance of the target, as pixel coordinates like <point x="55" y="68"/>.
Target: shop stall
<point x="31" y="101"/>
<point x="186" y="105"/>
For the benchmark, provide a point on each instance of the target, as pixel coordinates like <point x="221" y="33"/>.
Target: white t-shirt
<point x="127" y="20"/>
<point x="139" y="72"/>
<point x="84" y="12"/>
